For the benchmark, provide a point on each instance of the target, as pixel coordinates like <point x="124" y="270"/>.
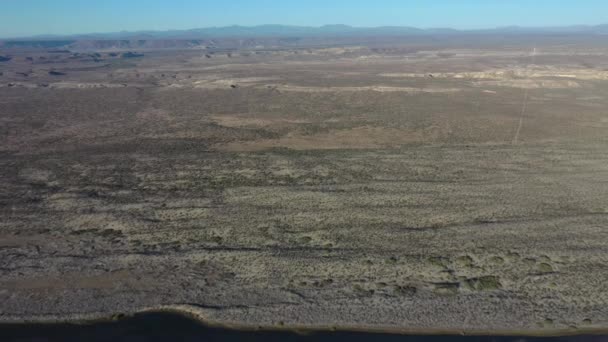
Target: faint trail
<point x="524" y="106"/>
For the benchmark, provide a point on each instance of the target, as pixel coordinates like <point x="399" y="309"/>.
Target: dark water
<point x="170" y="327"/>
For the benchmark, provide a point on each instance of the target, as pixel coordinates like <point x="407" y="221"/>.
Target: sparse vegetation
<point x="485" y="283"/>
<point x="256" y="181"/>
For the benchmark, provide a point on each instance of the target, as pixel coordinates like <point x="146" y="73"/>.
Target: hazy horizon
<point x="71" y="17"/>
<point x="101" y="33"/>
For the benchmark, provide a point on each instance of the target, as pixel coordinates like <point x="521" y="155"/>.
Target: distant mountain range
<point x="323" y="31"/>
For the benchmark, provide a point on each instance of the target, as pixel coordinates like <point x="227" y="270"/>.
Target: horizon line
<point x="139" y="31"/>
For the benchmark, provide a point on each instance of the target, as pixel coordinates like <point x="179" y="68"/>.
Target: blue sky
<point x="30" y="17"/>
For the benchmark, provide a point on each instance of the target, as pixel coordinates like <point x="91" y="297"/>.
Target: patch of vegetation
<point x="548" y="322"/>
<point x="363" y="291"/>
<point x="464" y="261"/>
<point x="497" y="260"/>
<point x="392" y="260"/>
<point x="439" y="261"/>
<point x="323" y="283"/>
<point x="216" y="239"/>
<point x="118" y="316"/>
<point x="513" y="255"/>
<point x="405" y="290"/>
<point x="486" y="283"/>
<point x="545" y="268"/>
<point x="92" y="194"/>
<point x="305" y="240"/>
<point x="83" y="231"/>
<point x="111" y="233"/>
<point x="446" y="288"/>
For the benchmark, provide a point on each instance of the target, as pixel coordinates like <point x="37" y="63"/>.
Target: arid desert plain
<point x="453" y="184"/>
